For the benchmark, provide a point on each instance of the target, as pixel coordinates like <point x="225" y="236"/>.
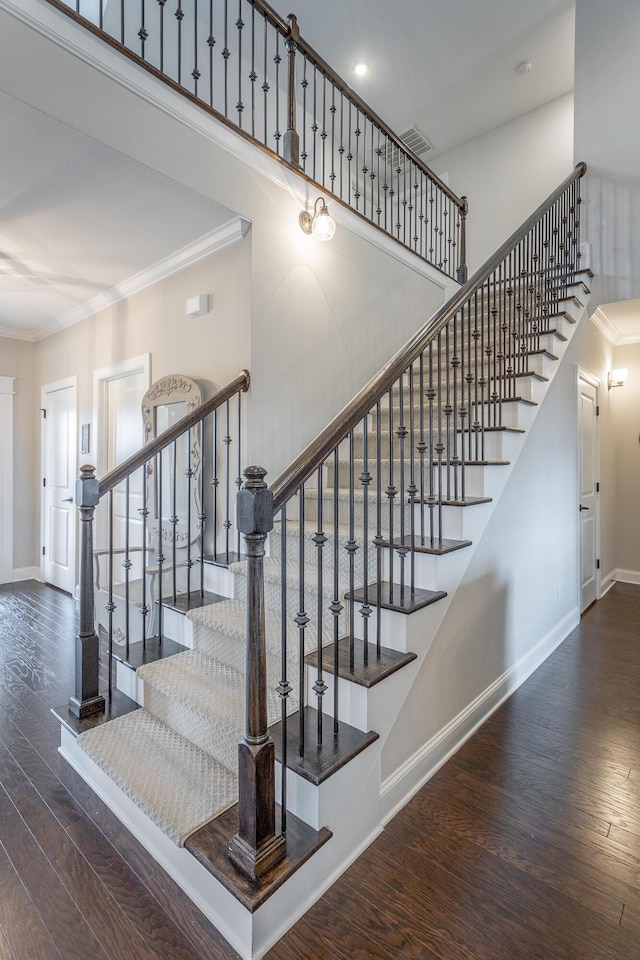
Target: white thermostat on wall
<point x="197" y="306"/>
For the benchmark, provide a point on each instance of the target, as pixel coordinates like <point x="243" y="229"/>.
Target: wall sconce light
<point x="320" y="223"/>
<point x="617" y="377"/>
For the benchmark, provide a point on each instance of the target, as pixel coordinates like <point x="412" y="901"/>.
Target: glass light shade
<point x="323" y="227"/>
<point x="618" y="377"/>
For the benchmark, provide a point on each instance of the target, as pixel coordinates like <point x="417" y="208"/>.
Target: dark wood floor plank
<point x="21" y="925"/>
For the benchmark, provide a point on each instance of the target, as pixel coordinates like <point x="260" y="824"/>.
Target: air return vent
<point x="414" y="139"/>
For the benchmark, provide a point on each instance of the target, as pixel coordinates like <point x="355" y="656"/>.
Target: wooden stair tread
<point x="185" y="602"/>
<point x="319" y="762"/>
<point x="439" y="549"/>
<point x="210" y="846"/>
<point x="149" y="651"/>
<point x="392" y="599"/>
<point x="365" y="675"/>
<point x="119" y="706"/>
<point x="223" y="559"/>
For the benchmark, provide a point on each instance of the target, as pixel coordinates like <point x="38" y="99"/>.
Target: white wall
<point x="508" y="172"/>
<point x="17" y="360"/>
<point x="625" y="402"/>
<point x="607" y="136"/>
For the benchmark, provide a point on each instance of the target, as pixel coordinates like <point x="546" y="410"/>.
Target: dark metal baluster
<point x="439" y="443"/>
<point x="215" y="484"/>
<point x="349" y="158"/>
<point x="301" y="621"/>
<point x="320" y="687"/>
<point x="448" y="409"/>
<point x="277" y="60"/>
<point x="379" y="539"/>
<point x="365" y="480"/>
<point x="127" y="568"/>
<point x="284" y="688"/>
<point x="239" y="477"/>
<point x="323" y="132"/>
<point x="110" y="604"/>
<point x="351" y="548"/>
<point x="160" y="555"/>
<point x="336" y="606"/>
<point x="227" y="458"/>
<point x="401" y="433"/>
<point x="122" y="22"/>
<point x="431" y="395"/>
<point x="341" y="147"/>
<point x="305" y="86"/>
<point x="142" y="33"/>
<point x="226" y="53"/>
<point x="144" y="513"/>
<point x="189" y="476"/>
<point x="412" y="489"/>
<point x="391" y="492"/>
<point x="239" y="28"/>
<point x="455" y="364"/>
<point x="332" y="109"/>
<point x="421" y="452"/>
<point x="179" y="17"/>
<point x="253" y="76"/>
<point x="265" y="84"/>
<point x="356" y="133"/>
<point x="464" y="409"/>
<point x="202" y="516"/>
<point x="211" y="42"/>
<point x="174" y="520"/>
<point x="195" y="73"/>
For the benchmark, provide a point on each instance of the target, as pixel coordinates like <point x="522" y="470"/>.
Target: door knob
<point x="583" y="508"/>
<point x="68" y="500"/>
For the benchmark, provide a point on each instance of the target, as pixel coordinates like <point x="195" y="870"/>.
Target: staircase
<point x="354" y="557"/>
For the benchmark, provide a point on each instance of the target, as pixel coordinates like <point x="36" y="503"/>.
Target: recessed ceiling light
<point x="360" y="69"/>
<point x="524" y="67"/>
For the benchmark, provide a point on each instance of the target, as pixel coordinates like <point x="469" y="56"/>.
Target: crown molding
<point x="10" y="333"/>
<point x="605" y="325"/>
<point x="221" y="238"/>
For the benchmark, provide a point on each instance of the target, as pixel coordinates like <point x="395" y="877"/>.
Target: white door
<point x="59" y="476"/>
<point x="589" y="487"/>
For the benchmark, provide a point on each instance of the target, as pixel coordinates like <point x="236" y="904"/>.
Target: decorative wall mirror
<point x="173" y="492"/>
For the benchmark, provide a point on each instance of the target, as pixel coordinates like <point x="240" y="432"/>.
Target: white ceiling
<point x="78" y="218"/>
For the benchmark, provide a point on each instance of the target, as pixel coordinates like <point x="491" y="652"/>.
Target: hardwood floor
<point x="525" y="845"/>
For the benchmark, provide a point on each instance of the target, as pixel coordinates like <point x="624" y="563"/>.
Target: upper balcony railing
<point x="248" y="66"/>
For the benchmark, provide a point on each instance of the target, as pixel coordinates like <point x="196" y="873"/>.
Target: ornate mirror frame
<point x="165" y="402"/>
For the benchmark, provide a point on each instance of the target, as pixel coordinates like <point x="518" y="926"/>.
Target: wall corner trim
<point x="219" y="239"/>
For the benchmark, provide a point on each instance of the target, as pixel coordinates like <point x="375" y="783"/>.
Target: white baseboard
<point x="626" y="576"/>
<point x="606" y="583"/>
<point x="26" y="573"/>
<point x="425" y="762"/>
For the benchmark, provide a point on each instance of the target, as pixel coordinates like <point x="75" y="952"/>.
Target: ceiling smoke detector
<point x="524" y="67"/>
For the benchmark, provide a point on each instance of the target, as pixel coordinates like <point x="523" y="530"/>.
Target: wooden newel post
<point x="256" y="847"/>
<point x="87" y="699"/>
<point x="462" y="269"/>
<point x="291" y="142"/>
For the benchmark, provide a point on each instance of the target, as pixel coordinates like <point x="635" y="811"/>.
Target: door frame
<point x="46" y="389"/>
<point x="596" y="383"/>
<point x="6" y="479"/>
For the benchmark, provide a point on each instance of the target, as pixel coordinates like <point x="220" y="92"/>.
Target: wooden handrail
<point x="146" y="453"/>
<point x="314" y="455"/>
